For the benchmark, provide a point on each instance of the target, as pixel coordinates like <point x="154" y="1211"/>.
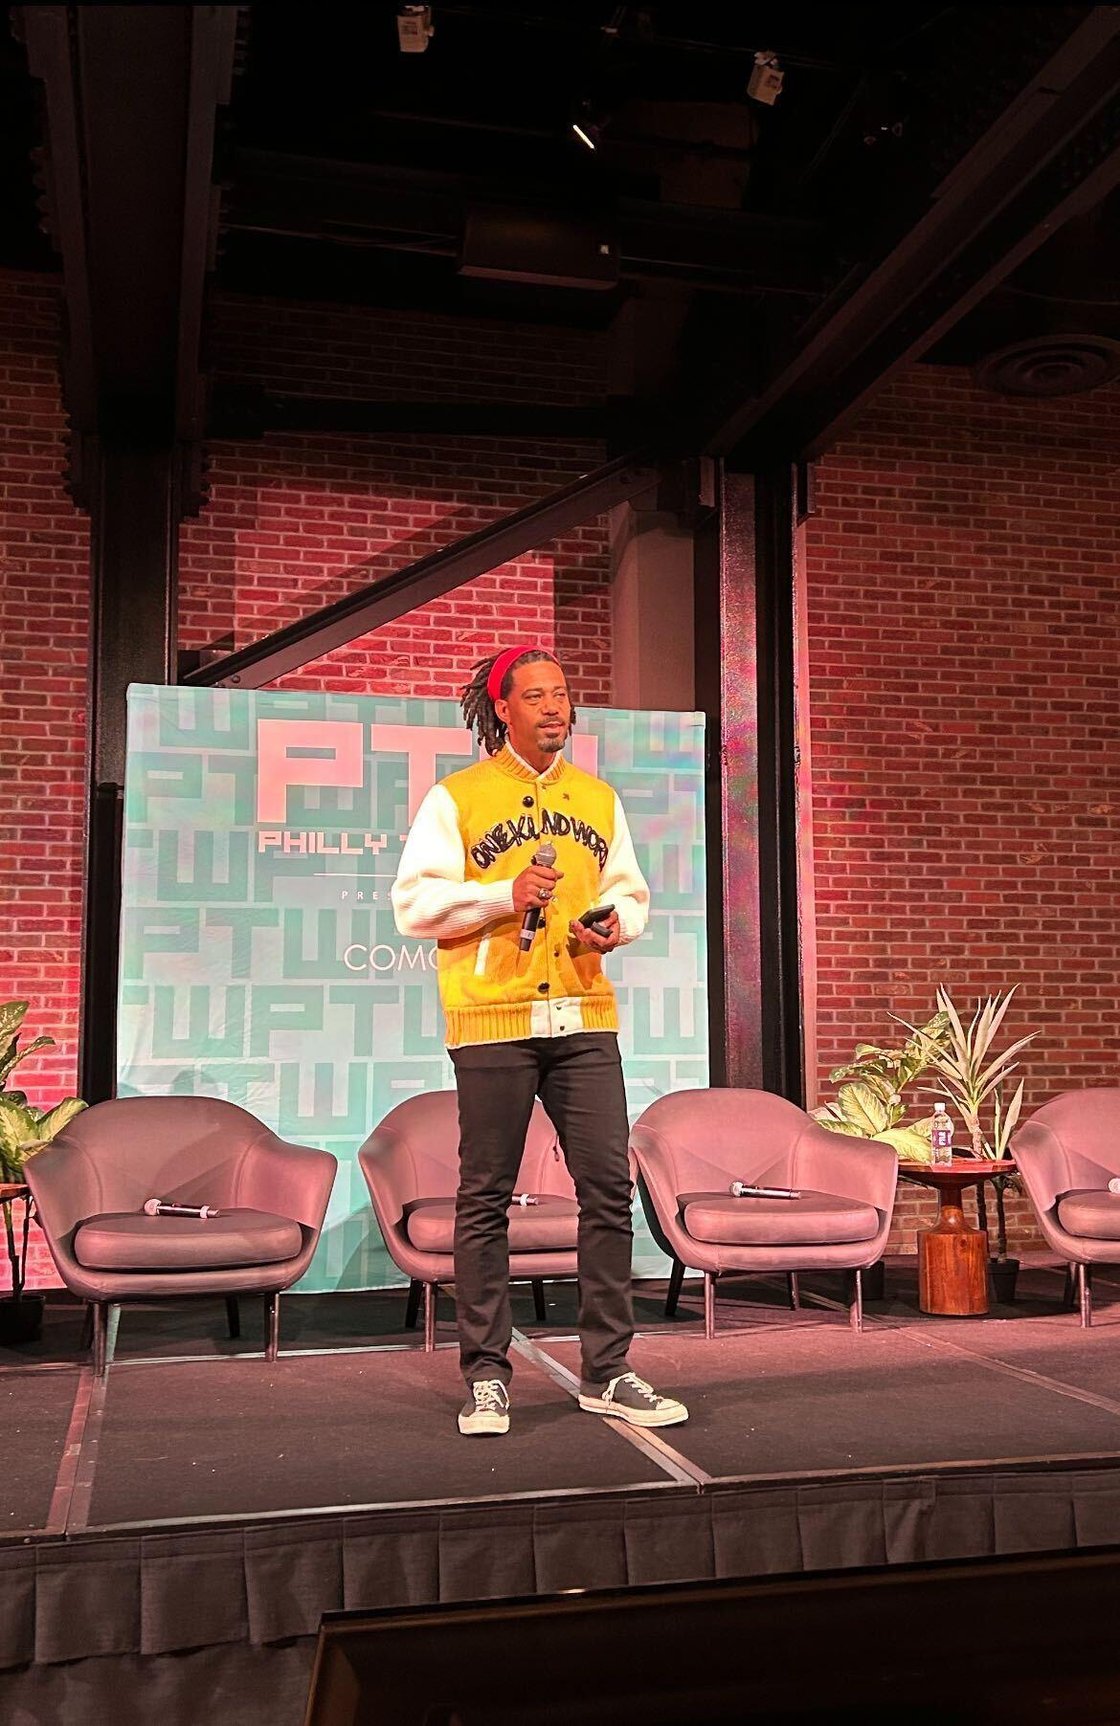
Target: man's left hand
<point x="587" y="937"/>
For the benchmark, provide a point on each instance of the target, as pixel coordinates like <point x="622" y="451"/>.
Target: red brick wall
<point x="298" y="521"/>
<point x="43" y="625"/>
<point x="962" y="585"/>
<point x="962" y="574"/>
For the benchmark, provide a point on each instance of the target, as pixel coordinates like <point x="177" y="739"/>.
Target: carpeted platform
<point x="35" y="1411"/>
<point x="195" y="1425"/>
<point x="205" y="1500"/>
<point x="241" y="1437"/>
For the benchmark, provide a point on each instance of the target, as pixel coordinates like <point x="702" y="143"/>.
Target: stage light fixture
<point x="414" y="28"/>
<point x="765" y="82"/>
<point x="586" y="126"/>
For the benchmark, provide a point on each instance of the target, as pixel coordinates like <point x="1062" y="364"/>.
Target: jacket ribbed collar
<point x="509" y="762"/>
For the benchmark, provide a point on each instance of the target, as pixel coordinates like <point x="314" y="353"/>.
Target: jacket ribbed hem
<point x="510" y="1022"/>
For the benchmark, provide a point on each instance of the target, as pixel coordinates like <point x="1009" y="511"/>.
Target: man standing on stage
<point x="530" y="1013"/>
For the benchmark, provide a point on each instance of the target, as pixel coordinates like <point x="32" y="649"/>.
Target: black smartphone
<point x="596" y="919"/>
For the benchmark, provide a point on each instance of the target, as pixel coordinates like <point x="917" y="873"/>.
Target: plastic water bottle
<point x="941" y="1138"/>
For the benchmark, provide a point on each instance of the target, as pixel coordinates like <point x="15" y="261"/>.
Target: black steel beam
<point x="133" y="590"/>
<point x="131" y="96"/>
<point x="420" y="211"/>
<point x="131" y="99"/>
<point x="744" y="683"/>
<point x="431" y="577"/>
<point x="240" y="412"/>
<point x="1053" y="152"/>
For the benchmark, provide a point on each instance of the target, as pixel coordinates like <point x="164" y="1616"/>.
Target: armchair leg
<point x="106" y="1315"/>
<point x="794" y="1290"/>
<point x="431" y="1292"/>
<point x="86" y="1338"/>
<point x="709" y="1305"/>
<point x="412" y="1305"/>
<point x="855" y="1311"/>
<point x="233" y="1315"/>
<point x="272" y="1325"/>
<point x="673" y="1295"/>
<point x="1085" y="1295"/>
<point x="538" y="1299"/>
<point x="1069" y="1292"/>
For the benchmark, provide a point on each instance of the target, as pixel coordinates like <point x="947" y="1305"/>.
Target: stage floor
<point x="193" y="1429"/>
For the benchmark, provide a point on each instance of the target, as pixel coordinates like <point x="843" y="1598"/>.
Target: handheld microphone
<point x="545" y="855"/>
<point x="161" y="1208"/>
<point x="740" y="1190"/>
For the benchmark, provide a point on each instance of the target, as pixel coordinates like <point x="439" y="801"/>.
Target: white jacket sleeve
<point x="431" y="899"/>
<point x="622" y="883"/>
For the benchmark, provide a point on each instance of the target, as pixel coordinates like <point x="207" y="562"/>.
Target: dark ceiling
<point x="932" y="181"/>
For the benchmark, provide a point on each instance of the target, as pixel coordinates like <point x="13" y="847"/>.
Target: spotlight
<point x="765" y="82"/>
<point x="414" y="28"/>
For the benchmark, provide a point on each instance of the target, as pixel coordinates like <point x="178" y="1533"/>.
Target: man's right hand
<point x="534" y="887"/>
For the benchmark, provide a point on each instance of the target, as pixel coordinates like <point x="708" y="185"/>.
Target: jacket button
<point x="542" y="988"/>
<point x="528" y="802"/>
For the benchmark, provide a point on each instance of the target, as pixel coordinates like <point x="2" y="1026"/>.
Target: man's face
<point x="537" y="711"/>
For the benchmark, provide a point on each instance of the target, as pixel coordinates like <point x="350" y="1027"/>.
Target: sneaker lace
<point x="490" y="1395"/>
<point x="643" y="1389"/>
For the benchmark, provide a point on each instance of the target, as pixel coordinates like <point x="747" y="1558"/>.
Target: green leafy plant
<point x="971" y="1074"/>
<point x="24" y="1129"/>
<point x="870" y="1104"/>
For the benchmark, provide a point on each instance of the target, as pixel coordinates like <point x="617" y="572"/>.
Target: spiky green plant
<point x="970" y="1073"/>
<point x="870" y="1105"/>
<point x="24" y="1129"/>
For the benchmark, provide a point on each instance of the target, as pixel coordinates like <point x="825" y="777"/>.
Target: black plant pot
<point x="1004" y="1274"/>
<point x="21" y="1320"/>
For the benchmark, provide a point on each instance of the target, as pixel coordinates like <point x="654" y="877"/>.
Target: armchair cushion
<point x="548" y="1226"/>
<point x="1092" y="1212"/>
<point x="816" y="1219"/>
<point x="132" y="1241"/>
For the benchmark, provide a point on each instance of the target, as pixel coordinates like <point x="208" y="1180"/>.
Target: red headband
<point x="502" y="664"/>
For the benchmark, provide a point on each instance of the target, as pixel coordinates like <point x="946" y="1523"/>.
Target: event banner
<point x="259" y="957"/>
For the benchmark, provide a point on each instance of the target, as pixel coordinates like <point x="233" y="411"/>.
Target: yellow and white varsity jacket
<point x="473" y="834"/>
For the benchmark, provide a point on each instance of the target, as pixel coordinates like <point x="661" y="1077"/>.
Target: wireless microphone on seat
<point x="162" y="1208"/>
<point x="741" y="1190"/>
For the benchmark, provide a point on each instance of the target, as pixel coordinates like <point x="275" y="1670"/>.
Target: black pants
<point x="579" y="1081"/>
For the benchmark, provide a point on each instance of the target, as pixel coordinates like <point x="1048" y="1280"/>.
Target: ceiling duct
<point x="505" y="243"/>
<point x="1057" y="365"/>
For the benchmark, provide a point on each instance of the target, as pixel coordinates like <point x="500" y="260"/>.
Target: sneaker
<point x="486" y="1410"/>
<point x="631" y="1399"/>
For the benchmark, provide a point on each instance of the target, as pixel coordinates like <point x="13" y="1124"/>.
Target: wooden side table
<point x="953" y="1255"/>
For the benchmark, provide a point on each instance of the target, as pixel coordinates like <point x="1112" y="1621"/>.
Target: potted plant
<point x="24" y="1130"/>
<point x="970" y="1075"/>
<point x="870" y="1104"/>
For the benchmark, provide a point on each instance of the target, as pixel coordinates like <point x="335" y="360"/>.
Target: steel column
<point x="745" y="683"/>
<point x="134" y="515"/>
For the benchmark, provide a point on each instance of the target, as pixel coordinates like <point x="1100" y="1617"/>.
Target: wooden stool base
<point x="953" y="1271"/>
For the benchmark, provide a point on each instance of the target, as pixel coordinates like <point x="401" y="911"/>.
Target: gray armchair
<point x="690" y="1146"/>
<point x="1067" y="1152"/>
<point x="411" y="1166"/>
<point x="91" y="1184"/>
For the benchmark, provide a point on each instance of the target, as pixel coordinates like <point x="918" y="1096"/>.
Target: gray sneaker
<point x="631" y="1399"/>
<point x="486" y="1410"/>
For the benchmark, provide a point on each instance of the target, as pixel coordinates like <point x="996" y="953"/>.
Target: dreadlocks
<point x="478" y="709"/>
